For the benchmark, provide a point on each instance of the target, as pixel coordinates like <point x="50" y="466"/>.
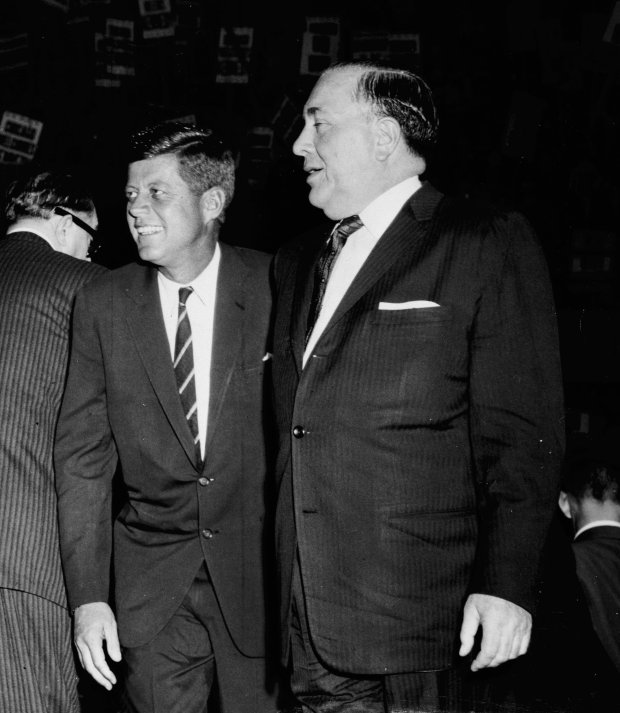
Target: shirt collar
<point x="378" y="215"/>
<point x="597" y="523"/>
<point x="200" y="284"/>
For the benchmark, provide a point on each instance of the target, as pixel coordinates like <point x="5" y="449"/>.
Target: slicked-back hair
<point x="36" y="196"/>
<point x="399" y="94"/>
<point x="204" y="161"/>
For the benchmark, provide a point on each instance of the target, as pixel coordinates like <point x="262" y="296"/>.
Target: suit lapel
<point x="146" y="324"/>
<point x="405" y="235"/>
<point x="304" y="285"/>
<point x="227" y="331"/>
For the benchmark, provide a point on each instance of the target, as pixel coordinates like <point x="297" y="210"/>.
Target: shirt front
<point x="201" y="312"/>
<point x="376" y="217"/>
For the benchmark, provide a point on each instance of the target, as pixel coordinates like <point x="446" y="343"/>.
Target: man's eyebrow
<point x="313" y="110"/>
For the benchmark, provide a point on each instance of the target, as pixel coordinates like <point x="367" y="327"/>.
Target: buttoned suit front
<point x="419" y="447"/>
<point x="122" y="404"/>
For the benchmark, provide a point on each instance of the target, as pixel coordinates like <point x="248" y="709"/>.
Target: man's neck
<point x="32" y="225"/>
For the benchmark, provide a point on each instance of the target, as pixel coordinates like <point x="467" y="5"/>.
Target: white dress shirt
<point x="201" y="312"/>
<point x="376" y="217"/>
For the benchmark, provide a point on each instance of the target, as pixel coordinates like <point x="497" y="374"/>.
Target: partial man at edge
<point x="44" y="261"/>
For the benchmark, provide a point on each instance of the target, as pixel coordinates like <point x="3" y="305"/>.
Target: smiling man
<point x="166" y="379"/>
<point x="419" y="402"/>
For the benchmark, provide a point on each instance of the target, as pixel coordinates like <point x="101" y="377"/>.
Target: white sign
<point x="233" y="55"/>
<point x="320" y="44"/>
<point x="19" y="136"/>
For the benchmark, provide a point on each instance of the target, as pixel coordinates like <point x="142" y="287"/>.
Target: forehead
<point x="335" y="92"/>
<point x="159" y="168"/>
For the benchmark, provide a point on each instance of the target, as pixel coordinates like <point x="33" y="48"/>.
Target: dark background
<point x="528" y="97"/>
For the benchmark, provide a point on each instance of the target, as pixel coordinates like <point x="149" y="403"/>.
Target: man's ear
<point x="61" y="229"/>
<point x="564" y="503"/>
<point x="212" y="203"/>
<point x="389" y="135"/>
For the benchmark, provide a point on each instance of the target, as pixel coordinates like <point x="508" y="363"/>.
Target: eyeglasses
<point x="95" y="243"/>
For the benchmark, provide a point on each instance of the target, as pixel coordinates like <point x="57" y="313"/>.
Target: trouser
<point x="192" y="665"/>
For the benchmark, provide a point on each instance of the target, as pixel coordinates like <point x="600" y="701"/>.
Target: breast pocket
<point x="412" y="316"/>
<point x="410" y="357"/>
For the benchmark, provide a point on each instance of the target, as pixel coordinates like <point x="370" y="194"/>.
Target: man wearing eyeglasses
<point x="43" y="262"/>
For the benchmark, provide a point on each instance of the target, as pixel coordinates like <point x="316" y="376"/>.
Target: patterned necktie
<point x="184" y="367"/>
<point x="325" y="264"/>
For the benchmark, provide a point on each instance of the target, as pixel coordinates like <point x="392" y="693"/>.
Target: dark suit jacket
<point x="122" y="402"/>
<point x="597" y="560"/>
<point x="37" y="289"/>
<point x="428" y="462"/>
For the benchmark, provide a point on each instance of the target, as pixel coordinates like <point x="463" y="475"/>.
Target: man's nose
<point x="137" y="205"/>
<point x="302" y="145"/>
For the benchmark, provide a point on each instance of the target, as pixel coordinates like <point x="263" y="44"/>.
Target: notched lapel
<point x="146" y="324"/>
<point x="227" y="331"/>
<point x="304" y="286"/>
<point x="405" y="235"/>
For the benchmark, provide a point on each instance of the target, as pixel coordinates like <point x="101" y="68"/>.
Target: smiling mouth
<point x="148" y="230"/>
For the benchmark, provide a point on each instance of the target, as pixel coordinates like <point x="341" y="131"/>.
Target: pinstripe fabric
<point x="37" y="670"/>
<point x="425" y="460"/>
<point x="37" y="287"/>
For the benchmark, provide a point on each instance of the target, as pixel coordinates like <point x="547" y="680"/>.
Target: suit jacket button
<point x="299" y="431"/>
<point x="203" y="481"/>
<point x="207" y="534"/>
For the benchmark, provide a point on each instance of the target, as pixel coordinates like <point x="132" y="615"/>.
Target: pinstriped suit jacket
<point x="428" y="462"/>
<point x="37" y="288"/>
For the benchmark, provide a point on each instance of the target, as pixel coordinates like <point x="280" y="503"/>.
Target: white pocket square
<point x="414" y="304"/>
<point x="267" y="356"/>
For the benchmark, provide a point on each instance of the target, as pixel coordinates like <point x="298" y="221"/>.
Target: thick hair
<point x="594" y="480"/>
<point x="593" y="468"/>
<point x="204" y="161"/>
<point x="399" y="94"/>
<point x="36" y="196"/>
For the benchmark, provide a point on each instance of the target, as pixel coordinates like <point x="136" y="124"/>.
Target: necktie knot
<point x="325" y="263"/>
<point x="184" y="293"/>
<point x="344" y="228"/>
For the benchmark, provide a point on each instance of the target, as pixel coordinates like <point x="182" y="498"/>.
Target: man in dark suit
<point x="166" y="377"/>
<point x="590" y="497"/>
<point x="418" y="398"/>
<point x="43" y="262"/>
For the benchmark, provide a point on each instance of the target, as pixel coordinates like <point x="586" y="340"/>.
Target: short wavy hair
<point x="204" y="160"/>
<point x="402" y="95"/>
<point x="36" y="196"/>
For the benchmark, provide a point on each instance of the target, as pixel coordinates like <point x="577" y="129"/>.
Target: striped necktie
<point x="184" y="367"/>
<point x="325" y="263"/>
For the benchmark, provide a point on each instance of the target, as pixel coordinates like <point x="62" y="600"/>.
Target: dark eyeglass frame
<point x="95" y="244"/>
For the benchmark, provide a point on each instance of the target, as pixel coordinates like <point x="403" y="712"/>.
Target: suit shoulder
<point x="489" y="226"/>
<point x="115" y="279"/>
<point x="254" y="259"/>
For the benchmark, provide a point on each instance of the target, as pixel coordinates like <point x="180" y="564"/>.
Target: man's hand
<point x="506" y="630"/>
<point x="94" y="623"/>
